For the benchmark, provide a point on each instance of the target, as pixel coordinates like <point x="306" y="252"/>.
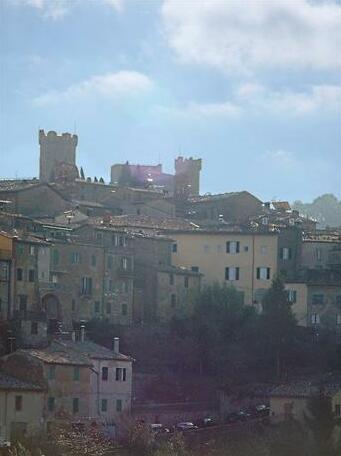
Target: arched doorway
<point x="52" y="308"/>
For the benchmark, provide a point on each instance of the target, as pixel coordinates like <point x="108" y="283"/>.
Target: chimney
<point x="116" y="344"/>
<point x="82" y="333"/>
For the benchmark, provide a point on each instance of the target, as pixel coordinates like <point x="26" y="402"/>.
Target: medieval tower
<point x="187" y="176"/>
<point x="57" y="155"/>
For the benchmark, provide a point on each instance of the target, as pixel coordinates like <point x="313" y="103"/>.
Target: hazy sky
<point x="253" y="87"/>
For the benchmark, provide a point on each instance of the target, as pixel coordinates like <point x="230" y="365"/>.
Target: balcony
<point x="29" y="315"/>
<point x="334" y="258"/>
<point x="50" y="287"/>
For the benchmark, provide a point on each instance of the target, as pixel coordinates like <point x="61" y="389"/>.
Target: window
<point x="105" y="373"/>
<point x="86" y="286"/>
<point x="195" y="268"/>
<point x="318" y="254"/>
<point x="108" y="307"/>
<point x="125" y="286"/>
<point x="104" y="405"/>
<point x="93" y="260"/>
<point x="18" y="403"/>
<point x="232" y="247"/>
<point x="4" y="271"/>
<point x="99" y="236"/>
<point x="55" y="257"/>
<point x="22" y="303"/>
<point x="122" y="241"/>
<point x="75" y="405"/>
<point x="285" y="253"/>
<point x="31" y="275"/>
<point x="97" y="306"/>
<point x="110" y="262"/>
<point x="337" y="410"/>
<point x="246" y="248"/>
<point x="119" y="405"/>
<point x="263" y="249"/>
<point x="75" y="258"/>
<point x="263" y="273"/>
<point x="315" y="319"/>
<point x="52" y="372"/>
<point x="54" y="278"/>
<point x="21" y="249"/>
<point x="51" y="404"/>
<point x="124" y="309"/>
<point x="76" y="373"/>
<point x="338" y="319"/>
<point x="34" y="328"/>
<point x="121" y="374"/>
<point x="174" y="248"/>
<point x="186" y="281"/>
<point x="231" y="273"/>
<point x="265" y="220"/>
<point x="115" y="240"/>
<point x="171" y="279"/>
<point x="19" y="274"/>
<point x="292" y="296"/>
<point x="32" y="250"/>
<point x="173" y="300"/>
<point x="124" y="263"/>
<point x="318" y="299"/>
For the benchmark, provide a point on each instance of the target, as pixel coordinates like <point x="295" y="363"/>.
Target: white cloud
<point x="193" y="110"/>
<point x="56" y="9"/>
<point x="110" y="85"/>
<point x="318" y="98"/>
<point x="116" y="4"/>
<point x="245" y="35"/>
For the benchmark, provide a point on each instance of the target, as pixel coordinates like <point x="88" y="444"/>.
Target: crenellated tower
<point x="187" y="176"/>
<point x="57" y="155"/>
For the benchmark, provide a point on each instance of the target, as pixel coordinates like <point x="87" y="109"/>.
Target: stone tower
<point x="187" y="176"/>
<point x="57" y="152"/>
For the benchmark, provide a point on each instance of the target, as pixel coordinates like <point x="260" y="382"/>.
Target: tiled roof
<point x="74" y="353"/>
<point x="144" y="221"/>
<point x="219" y="196"/>
<point x="92" y="350"/>
<point x="8" y="382"/>
<point x="17" y="184"/>
<point x="58" y="354"/>
<point x="307" y="388"/>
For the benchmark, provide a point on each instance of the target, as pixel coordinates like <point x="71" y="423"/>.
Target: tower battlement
<point x="187" y="175"/>
<point x="53" y="137"/>
<point x="56" y="151"/>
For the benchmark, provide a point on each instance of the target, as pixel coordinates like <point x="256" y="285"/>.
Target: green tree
<point x="321" y="422"/>
<point x="278" y="323"/>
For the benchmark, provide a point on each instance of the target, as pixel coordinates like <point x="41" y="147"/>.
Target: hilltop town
<point x="100" y="283"/>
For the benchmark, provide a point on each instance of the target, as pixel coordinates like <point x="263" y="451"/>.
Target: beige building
<point x="21" y="407"/>
<point x="291" y="401"/>
<point x="248" y="261"/>
<point x="298" y="296"/>
<point x="174" y="289"/>
<point x="85" y="382"/>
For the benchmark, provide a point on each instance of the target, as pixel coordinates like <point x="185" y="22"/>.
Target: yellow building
<point x="291" y="401"/>
<point x="21" y="407"/>
<point x="248" y="261"/>
<point x="298" y="296"/>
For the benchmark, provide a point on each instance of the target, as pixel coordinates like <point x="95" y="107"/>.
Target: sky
<point x="253" y="87"/>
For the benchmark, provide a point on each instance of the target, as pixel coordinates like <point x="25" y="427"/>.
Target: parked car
<point x="186" y="426"/>
<point x="237" y="417"/>
<point x="204" y="422"/>
<point x="262" y="410"/>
